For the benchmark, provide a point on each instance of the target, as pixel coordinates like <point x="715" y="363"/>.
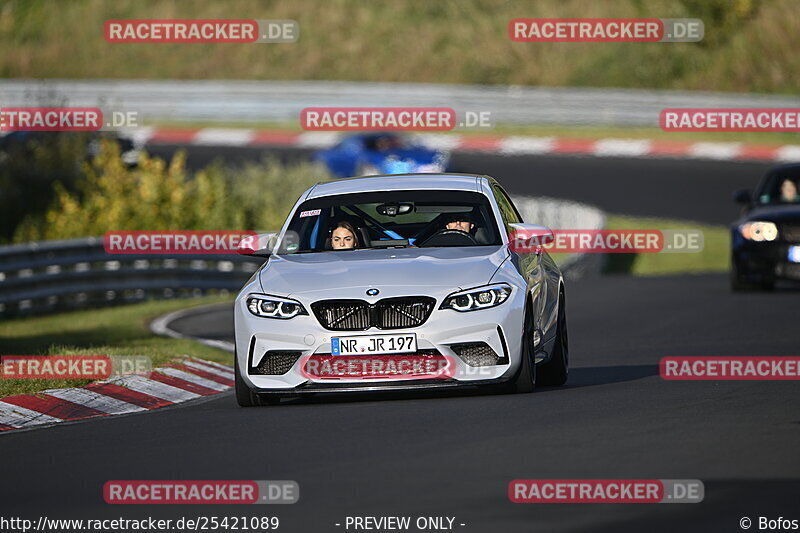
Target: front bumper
<point x="501" y="328"/>
<point x="765" y="260"/>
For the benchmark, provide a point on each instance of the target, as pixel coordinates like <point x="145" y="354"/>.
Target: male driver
<point x="460" y="221"/>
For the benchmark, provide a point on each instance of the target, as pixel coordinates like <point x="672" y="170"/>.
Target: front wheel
<point x="556" y="371"/>
<point x="526" y="377"/>
<point x="244" y="396"/>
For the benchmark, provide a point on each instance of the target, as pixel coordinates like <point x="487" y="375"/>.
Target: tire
<point x="244" y="396"/>
<point x="525" y="380"/>
<point x="555" y="372"/>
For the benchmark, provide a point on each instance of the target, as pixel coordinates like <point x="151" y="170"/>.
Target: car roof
<point x="397" y="182"/>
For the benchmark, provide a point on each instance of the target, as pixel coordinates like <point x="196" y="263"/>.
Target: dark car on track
<point x="766" y="239"/>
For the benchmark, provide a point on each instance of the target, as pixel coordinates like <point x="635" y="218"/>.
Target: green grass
<point x="119" y="330"/>
<point x="749" y="45"/>
<point x="715" y="256"/>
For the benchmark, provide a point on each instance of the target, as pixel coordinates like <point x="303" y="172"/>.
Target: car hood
<point x="775" y="213"/>
<point x="384" y="269"/>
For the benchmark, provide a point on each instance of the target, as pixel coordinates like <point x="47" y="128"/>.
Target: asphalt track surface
<point x="454" y="455"/>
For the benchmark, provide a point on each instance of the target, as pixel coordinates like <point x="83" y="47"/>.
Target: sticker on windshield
<point x="312" y="213"/>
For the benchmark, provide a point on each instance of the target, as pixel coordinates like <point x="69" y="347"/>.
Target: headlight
<point x="759" y="231"/>
<point x="479" y="298"/>
<point x="274" y="307"/>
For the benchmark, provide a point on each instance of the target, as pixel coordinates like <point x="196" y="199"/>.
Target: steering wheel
<point x="449" y="237"/>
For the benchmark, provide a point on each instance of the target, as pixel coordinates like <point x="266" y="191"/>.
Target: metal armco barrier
<point x="265" y="101"/>
<point x="48" y="276"/>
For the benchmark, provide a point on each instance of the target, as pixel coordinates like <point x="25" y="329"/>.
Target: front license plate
<point x="374" y="344"/>
<point x="794" y="254"/>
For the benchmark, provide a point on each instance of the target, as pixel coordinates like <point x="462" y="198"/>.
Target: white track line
<point x="95" y="400"/>
<point x="193" y="378"/>
<point x="317" y="139"/>
<point x="19" y="417"/>
<point x="154" y="388"/>
<point x="527" y="145"/>
<point x="223" y="137"/>
<point x="790" y="152"/>
<point x="210" y="369"/>
<point x="212" y="363"/>
<point x="622" y="147"/>
<point x="715" y="150"/>
<point x="215" y="343"/>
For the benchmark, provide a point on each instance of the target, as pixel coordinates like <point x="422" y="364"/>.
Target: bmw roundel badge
<point x="372" y="292"/>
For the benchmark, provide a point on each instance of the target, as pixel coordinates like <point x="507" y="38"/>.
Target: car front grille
<point x="389" y="313"/>
<point x="276" y="362"/>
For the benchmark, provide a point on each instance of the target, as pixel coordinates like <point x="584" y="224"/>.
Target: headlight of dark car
<point x="759" y="231"/>
<point x="274" y="307"/>
<point x="478" y="298"/>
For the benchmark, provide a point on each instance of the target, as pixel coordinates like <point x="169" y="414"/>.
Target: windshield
<point x="780" y="187"/>
<point x="392" y="219"/>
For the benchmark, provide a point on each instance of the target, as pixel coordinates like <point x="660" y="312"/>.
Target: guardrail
<point x="565" y="214"/>
<point x="41" y="277"/>
<point x="265" y="101"/>
<point x="48" y="276"/>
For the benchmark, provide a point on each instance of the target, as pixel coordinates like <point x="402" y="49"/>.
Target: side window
<point x="507" y="209"/>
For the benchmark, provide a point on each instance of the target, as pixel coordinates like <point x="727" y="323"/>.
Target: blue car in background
<point x="366" y="154"/>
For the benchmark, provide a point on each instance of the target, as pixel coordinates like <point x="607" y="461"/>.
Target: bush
<point x="157" y="196"/>
<point x="28" y="171"/>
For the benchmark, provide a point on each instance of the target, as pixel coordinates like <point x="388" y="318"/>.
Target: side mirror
<point x="259" y="245"/>
<point x="743" y="196"/>
<point x="529" y="238"/>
